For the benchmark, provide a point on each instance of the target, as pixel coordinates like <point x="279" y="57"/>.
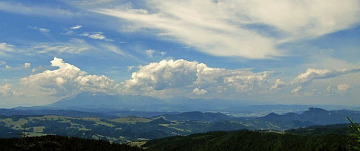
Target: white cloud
<point x="39" y="69"/>
<point x="343" y="87"/>
<point x="149" y="52"/>
<point x="6" y="90"/>
<point x="296" y="90"/>
<point x="6" y="48"/>
<point x="153" y="53"/>
<point x="162" y="53"/>
<point x="199" y="91"/>
<point x="68" y="80"/>
<point x="7" y="67"/>
<point x="75" y="27"/>
<point x="162" y="75"/>
<point x="74" y="46"/>
<point x="189" y="76"/>
<point x="303" y="19"/>
<point x="114" y="49"/>
<point x="312" y="74"/>
<point x="96" y="35"/>
<point x="26" y="65"/>
<point x="278" y="85"/>
<point x="130" y="68"/>
<point x="211" y="36"/>
<point x="42" y="30"/>
<point x="239" y="28"/>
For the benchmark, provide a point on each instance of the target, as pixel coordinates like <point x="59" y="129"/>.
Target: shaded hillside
<point x="60" y="143"/>
<point x="72" y="113"/>
<point x="314" y="116"/>
<point x="123" y="129"/>
<point x="196" y="116"/>
<point x="252" y="140"/>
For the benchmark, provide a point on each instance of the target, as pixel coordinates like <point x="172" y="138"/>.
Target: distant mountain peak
<point x="314" y="110"/>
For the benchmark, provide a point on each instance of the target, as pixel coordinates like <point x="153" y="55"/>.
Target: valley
<point x="132" y="128"/>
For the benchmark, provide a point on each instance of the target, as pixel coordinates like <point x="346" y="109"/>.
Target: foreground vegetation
<point x="60" y="143"/>
<point x="254" y="141"/>
<point x="316" y="138"/>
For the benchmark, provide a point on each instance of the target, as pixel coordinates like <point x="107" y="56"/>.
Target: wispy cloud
<point x="149" y="52"/>
<point x="6" y="48"/>
<point x="343" y="87"/>
<point x="25" y="9"/>
<point x="312" y="74"/>
<point x="42" y="30"/>
<point x="96" y="35"/>
<point x="75" y="27"/>
<point x="239" y="28"/>
<point x="74" y="46"/>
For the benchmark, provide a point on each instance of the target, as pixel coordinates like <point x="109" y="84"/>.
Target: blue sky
<point x="288" y="52"/>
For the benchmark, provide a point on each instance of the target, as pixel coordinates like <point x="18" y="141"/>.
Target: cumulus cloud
<point x="191" y="75"/>
<point x="26" y="65"/>
<point x="6" y="90"/>
<point x="68" y="79"/>
<point x="152" y="53"/>
<point x="278" y="85"/>
<point x="199" y="91"/>
<point x="163" y="74"/>
<point x="239" y="28"/>
<point x="74" y="46"/>
<point x="312" y="74"/>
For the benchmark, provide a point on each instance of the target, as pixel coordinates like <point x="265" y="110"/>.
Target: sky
<point x="274" y="51"/>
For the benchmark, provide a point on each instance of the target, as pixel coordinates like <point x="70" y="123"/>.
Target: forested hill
<point x="61" y="143"/>
<point x="255" y="141"/>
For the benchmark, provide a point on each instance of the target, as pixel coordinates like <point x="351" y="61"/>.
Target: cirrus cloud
<point x="6" y="48"/>
<point x="247" y="28"/>
<point x="74" y="46"/>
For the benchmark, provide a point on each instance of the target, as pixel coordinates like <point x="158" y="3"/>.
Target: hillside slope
<point x="257" y="141"/>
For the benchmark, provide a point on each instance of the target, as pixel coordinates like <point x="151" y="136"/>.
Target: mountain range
<point x="138" y="104"/>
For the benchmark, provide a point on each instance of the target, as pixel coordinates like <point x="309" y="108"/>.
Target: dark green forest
<point x="61" y="143"/>
<point x="245" y="140"/>
<point x="316" y="138"/>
